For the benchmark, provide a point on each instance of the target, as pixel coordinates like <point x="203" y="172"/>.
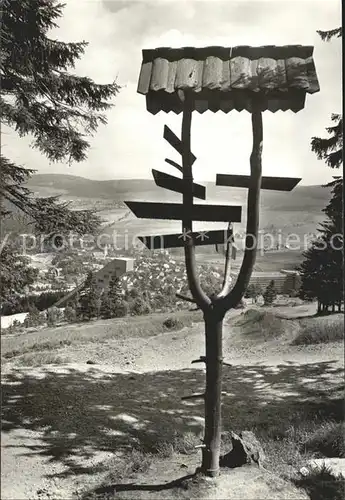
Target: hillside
<point x="70" y="186"/>
<point x="298" y="212"/>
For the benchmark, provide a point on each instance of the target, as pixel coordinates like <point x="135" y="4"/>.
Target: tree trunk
<point x="212" y="438"/>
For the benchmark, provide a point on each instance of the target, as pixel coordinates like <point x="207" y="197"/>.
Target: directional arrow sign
<point x="175" y="184"/>
<point x="175" y="211"/>
<point x="174" y="164"/>
<point x="272" y="183"/>
<point x="175" y="142"/>
<point x="178" y="240"/>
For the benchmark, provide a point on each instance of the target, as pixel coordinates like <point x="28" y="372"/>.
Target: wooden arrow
<point x="174" y="211"/>
<point x="178" y="240"/>
<point x="272" y="183"/>
<point x="175" y="142"/>
<point x="175" y="184"/>
<point x="174" y="164"/>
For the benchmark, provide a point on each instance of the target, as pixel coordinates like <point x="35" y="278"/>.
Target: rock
<point x="246" y="449"/>
<point x="304" y="471"/>
<point x="89" y="362"/>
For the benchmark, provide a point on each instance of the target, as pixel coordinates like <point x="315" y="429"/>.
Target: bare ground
<point x="64" y="424"/>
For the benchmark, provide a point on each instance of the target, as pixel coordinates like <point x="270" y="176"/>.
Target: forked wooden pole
<point x="198" y="294"/>
<point x="215" y="308"/>
<point x="232" y="298"/>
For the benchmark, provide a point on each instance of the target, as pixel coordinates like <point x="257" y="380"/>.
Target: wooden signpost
<point x="190" y="79"/>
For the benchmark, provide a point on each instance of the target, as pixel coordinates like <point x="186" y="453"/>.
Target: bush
<point x="173" y="323"/>
<point x="53" y="316"/>
<point x="261" y="324"/>
<point x="70" y="314"/>
<point x="122" y="309"/>
<point x="320" y="332"/>
<point x="270" y="294"/>
<point x="140" y="306"/>
<point x="133" y="293"/>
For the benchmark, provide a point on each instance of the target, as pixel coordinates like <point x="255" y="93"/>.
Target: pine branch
<point x="330" y="149"/>
<point x="328" y="35"/>
<point x="43" y="99"/>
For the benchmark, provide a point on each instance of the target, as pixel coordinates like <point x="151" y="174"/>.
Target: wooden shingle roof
<point x="225" y="78"/>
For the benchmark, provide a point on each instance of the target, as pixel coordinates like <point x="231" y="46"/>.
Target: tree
<point x="107" y="310"/>
<point x="34" y="318"/>
<point x="253" y="291"/>
<point x="89" y="299"/>
<point x="270" y="293"/>
<point x="115" y="300"/>
<point x="41" y="98"/>
<point x="322" y="271"/>
<point x="70" y="313"/>
<point x="15" y="273"/>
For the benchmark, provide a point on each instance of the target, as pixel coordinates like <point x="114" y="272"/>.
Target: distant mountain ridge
<point x="71" y="186"/>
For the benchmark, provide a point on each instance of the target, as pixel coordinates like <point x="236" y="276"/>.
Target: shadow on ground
<point x="79" y="413"/>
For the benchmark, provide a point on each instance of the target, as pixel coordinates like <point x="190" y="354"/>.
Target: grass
<point x="320" y="332"/>
<point x="49" y="339"/>
<point x="328" y="440"/>
<point x="285" y="456"/>
<point x="42" y="358"/>
<point x="180" y="443"/>
<point x="289" y="448"/>
<point x="123" y="467"/>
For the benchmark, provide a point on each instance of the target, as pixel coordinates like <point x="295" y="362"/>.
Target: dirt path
<point x="61" y="423"/>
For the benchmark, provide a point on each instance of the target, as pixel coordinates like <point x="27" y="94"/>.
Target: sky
<point x="132" y="143"/>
